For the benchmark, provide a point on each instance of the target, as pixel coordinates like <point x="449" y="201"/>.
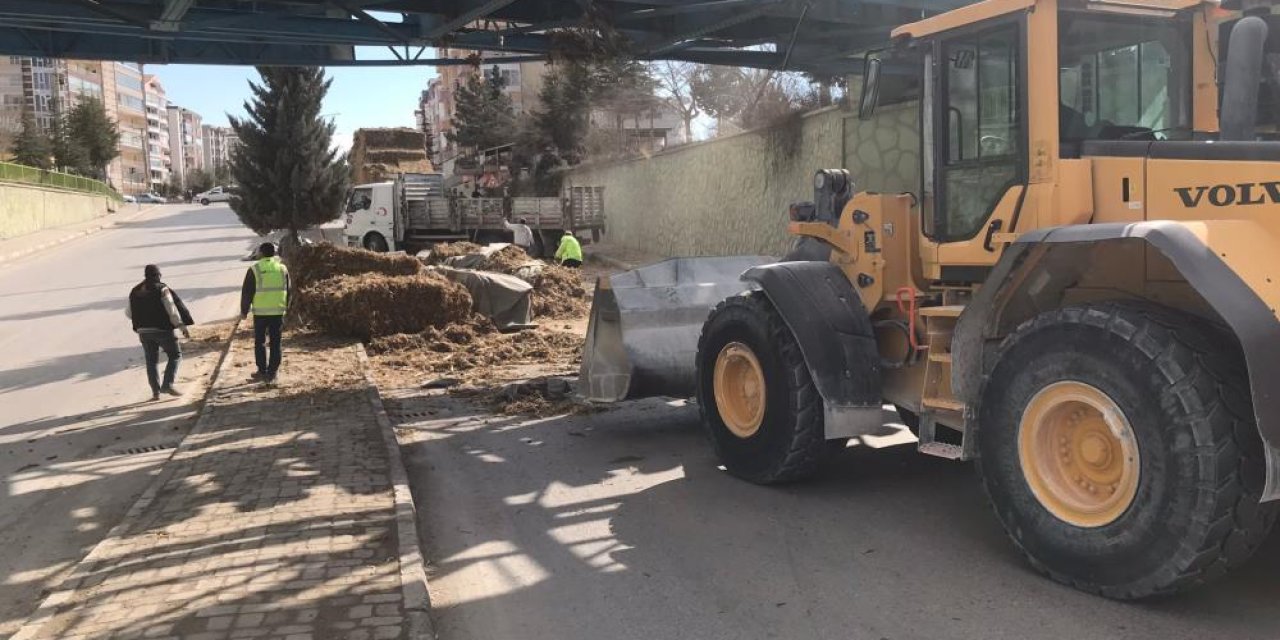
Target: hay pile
<point x="558" y="292"/>
<point x="370" y="305"/>
<point x="437" y="340"/>
<point x="509" y="260"/>
<point x="418" y="324"/>
<point x="310" y="264"/>
<point x="444" y="250"/>
<point x="380" y="154"/>
<point x="470" y="348"/>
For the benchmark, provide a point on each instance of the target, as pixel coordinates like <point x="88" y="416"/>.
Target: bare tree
<point x="675" y="82"/>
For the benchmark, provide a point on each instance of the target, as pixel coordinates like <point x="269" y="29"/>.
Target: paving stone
<point x="279" y="508"/>
<point x="221" y="623"/>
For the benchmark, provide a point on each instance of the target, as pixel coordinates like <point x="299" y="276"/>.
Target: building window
<point x="129" y="82"/>
<point x="131" y="102"/>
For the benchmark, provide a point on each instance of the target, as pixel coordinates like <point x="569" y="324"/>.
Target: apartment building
<point x="186" y="143"/>
<point x="522" y="83"/>
<point x="156" y="107"/>
<point x="28" y="84"/>
<point x="123" y="97"/>
<point x="217" y="146"/>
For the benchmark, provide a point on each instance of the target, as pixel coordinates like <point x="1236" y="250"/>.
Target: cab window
<point x="360" y="200"/>
<point x="1123" y="78"/>
<point x="981" y="128"/>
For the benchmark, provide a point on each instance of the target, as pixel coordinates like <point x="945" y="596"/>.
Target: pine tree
<point x="31" y="147"/>
<point x="89" y="126"/>
<point x="572" y="87"/>
<point x="565" y="101"/>
<point x="68" y="154"/>
<point x="484" y="116"/>
<point x="289" y="174"/>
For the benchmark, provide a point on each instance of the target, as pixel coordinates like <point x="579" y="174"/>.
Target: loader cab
<point x="1016" y="95"/>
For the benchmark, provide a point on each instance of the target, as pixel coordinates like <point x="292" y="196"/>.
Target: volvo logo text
<point x="1225" y="195"/>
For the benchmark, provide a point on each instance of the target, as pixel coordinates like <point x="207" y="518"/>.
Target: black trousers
<point x="265" y="327"/>
<point x="571" y="263"/>
<point x="153" y="342"/>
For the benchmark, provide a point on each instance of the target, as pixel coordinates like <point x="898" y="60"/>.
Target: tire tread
<point x="1204" y="374"/>
<point x="806" y="449"/>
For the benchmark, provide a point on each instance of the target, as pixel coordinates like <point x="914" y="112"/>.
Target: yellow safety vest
<point x="569" y="249"/>
<point x="270" y="295"/>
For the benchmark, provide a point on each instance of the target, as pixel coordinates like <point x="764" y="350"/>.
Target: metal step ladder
<point x="937" y="399"/>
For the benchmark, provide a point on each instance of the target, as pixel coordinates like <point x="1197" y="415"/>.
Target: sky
<point x="359" y="97"/>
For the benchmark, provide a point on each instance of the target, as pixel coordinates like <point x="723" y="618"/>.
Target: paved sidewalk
<point x="27" y="244"/>
<point x="276" y="518"/>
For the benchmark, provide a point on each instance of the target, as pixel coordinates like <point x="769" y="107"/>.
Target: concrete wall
<point x="28" y="208"/>
<point x="730" y="195"/>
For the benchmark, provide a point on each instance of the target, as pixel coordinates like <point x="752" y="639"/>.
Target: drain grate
<point x="151" y="449"/>
<point x="413" y="414"/>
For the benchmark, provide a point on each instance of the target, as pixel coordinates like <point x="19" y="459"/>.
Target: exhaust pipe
<point x="1244" y="72"/>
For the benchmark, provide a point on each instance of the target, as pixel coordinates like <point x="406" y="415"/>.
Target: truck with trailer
<point x="412" y="212"/>
<point x="1080" y="295"/>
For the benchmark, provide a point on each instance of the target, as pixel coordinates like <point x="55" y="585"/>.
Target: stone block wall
<point x="730" y="195"/>
<point x="28" y="208"/>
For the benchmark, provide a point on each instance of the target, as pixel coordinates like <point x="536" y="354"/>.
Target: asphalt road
<point x="620" y="525"/>
<point x="74" y="407"/>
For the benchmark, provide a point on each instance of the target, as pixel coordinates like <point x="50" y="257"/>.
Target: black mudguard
<point x="1038" y="266"/>
<point x="828" y="320"/>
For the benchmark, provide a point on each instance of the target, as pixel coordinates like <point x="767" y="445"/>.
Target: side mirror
<point x="870" y="87"/>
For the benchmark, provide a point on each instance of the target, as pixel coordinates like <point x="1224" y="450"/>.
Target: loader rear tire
<point x="785" y="442"/>
<point x="1173" y="391"/>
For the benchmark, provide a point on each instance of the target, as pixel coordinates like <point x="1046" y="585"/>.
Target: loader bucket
<point x="643" y="335"/>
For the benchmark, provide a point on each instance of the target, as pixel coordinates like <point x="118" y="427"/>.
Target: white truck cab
<point x="371" y="216"/>
<point x="378" y="214"/>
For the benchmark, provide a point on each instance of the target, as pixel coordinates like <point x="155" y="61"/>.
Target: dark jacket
<point x="154" y="306"/>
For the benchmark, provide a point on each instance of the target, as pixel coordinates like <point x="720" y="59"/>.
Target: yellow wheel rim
<point x="1078" y="454"/>
<point x="739" y="388"/>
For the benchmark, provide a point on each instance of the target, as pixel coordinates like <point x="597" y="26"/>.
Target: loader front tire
<point x="1118" y="448"/>
<point x="758" y="402"/>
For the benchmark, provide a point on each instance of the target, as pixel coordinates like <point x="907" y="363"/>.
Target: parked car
<point x="128" y="199"/>
<point x="151" y="198"/>
<point x="216" y="194"/>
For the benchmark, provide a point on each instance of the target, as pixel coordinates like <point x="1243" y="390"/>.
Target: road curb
<point x="65" y="591"/>
<point x="10" y="257"/>
<point x="413" y="574"/>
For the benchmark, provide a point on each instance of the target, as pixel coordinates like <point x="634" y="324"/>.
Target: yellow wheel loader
<point x="1081" y="295"/>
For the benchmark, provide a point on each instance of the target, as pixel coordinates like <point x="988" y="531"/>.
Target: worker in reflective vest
<point x="266" y="293"/>
<point x="570" y="252"/>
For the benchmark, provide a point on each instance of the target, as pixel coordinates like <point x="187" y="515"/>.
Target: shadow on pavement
<point x="541" y="526"/>
<point x="189" y="295"/>
<point x="277" y="516"/>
